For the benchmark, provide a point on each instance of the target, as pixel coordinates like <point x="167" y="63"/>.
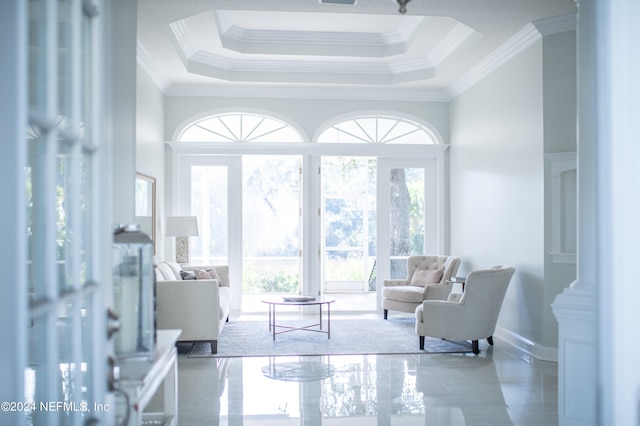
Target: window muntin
<point x="377" y="129"/>
<point x="63" y="231"/>
<point x="388" y="128"/>
<point x="239" y="127"/>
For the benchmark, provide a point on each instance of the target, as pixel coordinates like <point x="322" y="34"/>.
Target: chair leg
<point x="475" y="347"/>
<point x="490" y="340"/>
<point x="385" y="313"/>
<point x="421" y="342"/>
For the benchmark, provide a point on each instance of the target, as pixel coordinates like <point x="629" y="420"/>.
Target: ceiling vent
<point x="349" y="2"/>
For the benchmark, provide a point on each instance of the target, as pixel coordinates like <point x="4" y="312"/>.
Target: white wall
<point x="497" y="184"/>
<point x="150" y="146"/>
<point x="121" y="112"/>
<point x="500" y="209"/>
<point x="559" y="88"/>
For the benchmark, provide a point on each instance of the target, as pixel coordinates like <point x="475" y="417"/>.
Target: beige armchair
<point x="427" y="279"/>
<point x="473" y="316"/>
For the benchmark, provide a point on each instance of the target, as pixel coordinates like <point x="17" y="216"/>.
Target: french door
<point x="410" y="213"/>
<point x="57" y="240"/>
<point x="210" y="188"/>
<point x="312" y="224"/>
<point x="348" y="230"/>
<point x="272" y="227"/>
<point x="376" y="212"/>
<point x="249" y="218"/>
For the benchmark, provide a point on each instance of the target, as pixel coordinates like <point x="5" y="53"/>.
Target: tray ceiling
<point x="276" y="46"/>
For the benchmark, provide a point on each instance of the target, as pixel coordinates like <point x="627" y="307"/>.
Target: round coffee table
<point x="319" y="301"/>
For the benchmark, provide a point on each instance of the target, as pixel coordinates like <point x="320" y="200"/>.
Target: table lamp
<point x="182" y="227"/>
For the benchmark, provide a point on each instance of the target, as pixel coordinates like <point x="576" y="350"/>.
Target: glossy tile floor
<point x="501" y="386"/>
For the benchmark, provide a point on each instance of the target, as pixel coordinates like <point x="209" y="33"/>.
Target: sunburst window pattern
<point x="377" y="129"/>
<point x="240" y="127"/>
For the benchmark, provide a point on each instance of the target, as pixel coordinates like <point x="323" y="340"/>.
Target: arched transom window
<point x="240" y="127"/>
<point x="378" y="129"/>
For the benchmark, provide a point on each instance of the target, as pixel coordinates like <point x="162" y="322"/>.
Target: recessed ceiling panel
<point x="324" y="34"/>
<point x="196" y="46"/>
<point x="334" y="48"/>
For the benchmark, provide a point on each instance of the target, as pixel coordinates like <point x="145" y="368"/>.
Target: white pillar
<point x="13" y="117"/>
<point x="576" y="308"/>
<point x="618" y="155"/>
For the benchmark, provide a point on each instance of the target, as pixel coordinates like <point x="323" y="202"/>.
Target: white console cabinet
<point x="141" y="379"/>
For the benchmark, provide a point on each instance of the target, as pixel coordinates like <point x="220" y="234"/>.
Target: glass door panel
<point x="406" y="217"/>
<point x="65" y="223"/>
<point x="410" y="214"/>
<point x="209" y="202"/>
<point x="348" y="231"/>
<point x="271" y="228"/>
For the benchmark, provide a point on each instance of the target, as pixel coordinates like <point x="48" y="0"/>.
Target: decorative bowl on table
<point x="298" y="298"/>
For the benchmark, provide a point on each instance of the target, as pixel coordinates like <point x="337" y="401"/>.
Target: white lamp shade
<point x="182" y="226"/>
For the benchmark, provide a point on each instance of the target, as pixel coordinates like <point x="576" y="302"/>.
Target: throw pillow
<point x="201" y="274"/>
<point x="422" y="277"/>
<point x="214" y="274"/>
<point x="187" y="275"/>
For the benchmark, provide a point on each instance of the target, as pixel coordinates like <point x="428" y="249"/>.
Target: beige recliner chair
<point x="470" y="316"/>
<point x="427" y="278"/>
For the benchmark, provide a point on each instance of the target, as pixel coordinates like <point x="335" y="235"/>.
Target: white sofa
<point x="198" y="307"/>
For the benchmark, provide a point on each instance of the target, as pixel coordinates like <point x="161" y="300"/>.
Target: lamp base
<point x="182" y="250"/>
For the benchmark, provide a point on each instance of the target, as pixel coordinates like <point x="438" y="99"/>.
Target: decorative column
<point x="618" y="151"/>
<point x="575" y="308"/>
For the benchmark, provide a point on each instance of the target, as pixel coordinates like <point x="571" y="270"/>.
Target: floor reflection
<point x="429" y="389"/>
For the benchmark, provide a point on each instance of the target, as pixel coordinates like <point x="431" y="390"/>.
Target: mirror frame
<point x="148" y="183"/>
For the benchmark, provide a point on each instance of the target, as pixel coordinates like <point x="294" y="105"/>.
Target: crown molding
<point x="453" y="40"/>
<point x="309" y="93"/>
<point x="216" y="66"/>
<point x="524" y="38"/>
<point x="224" y="21"/>
<point x="186" y="44"/>
<point x="516" y="44"/>
<point x="145" y="62"/>
<point x="557" y="24"/>
<point x="397" y="72"/>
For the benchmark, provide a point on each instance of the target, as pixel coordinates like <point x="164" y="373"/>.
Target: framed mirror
<point x="146" y="206"/>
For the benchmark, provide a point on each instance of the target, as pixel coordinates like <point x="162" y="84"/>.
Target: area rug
<point x="348" y="337"/>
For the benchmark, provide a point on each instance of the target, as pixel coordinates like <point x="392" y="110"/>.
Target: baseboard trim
<point x="543" y="353"/>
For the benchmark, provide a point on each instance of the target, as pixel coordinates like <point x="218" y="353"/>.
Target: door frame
<point x="434" y="196"/>
<point x="181" y="205"/>
<point x="311" y="203"/>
